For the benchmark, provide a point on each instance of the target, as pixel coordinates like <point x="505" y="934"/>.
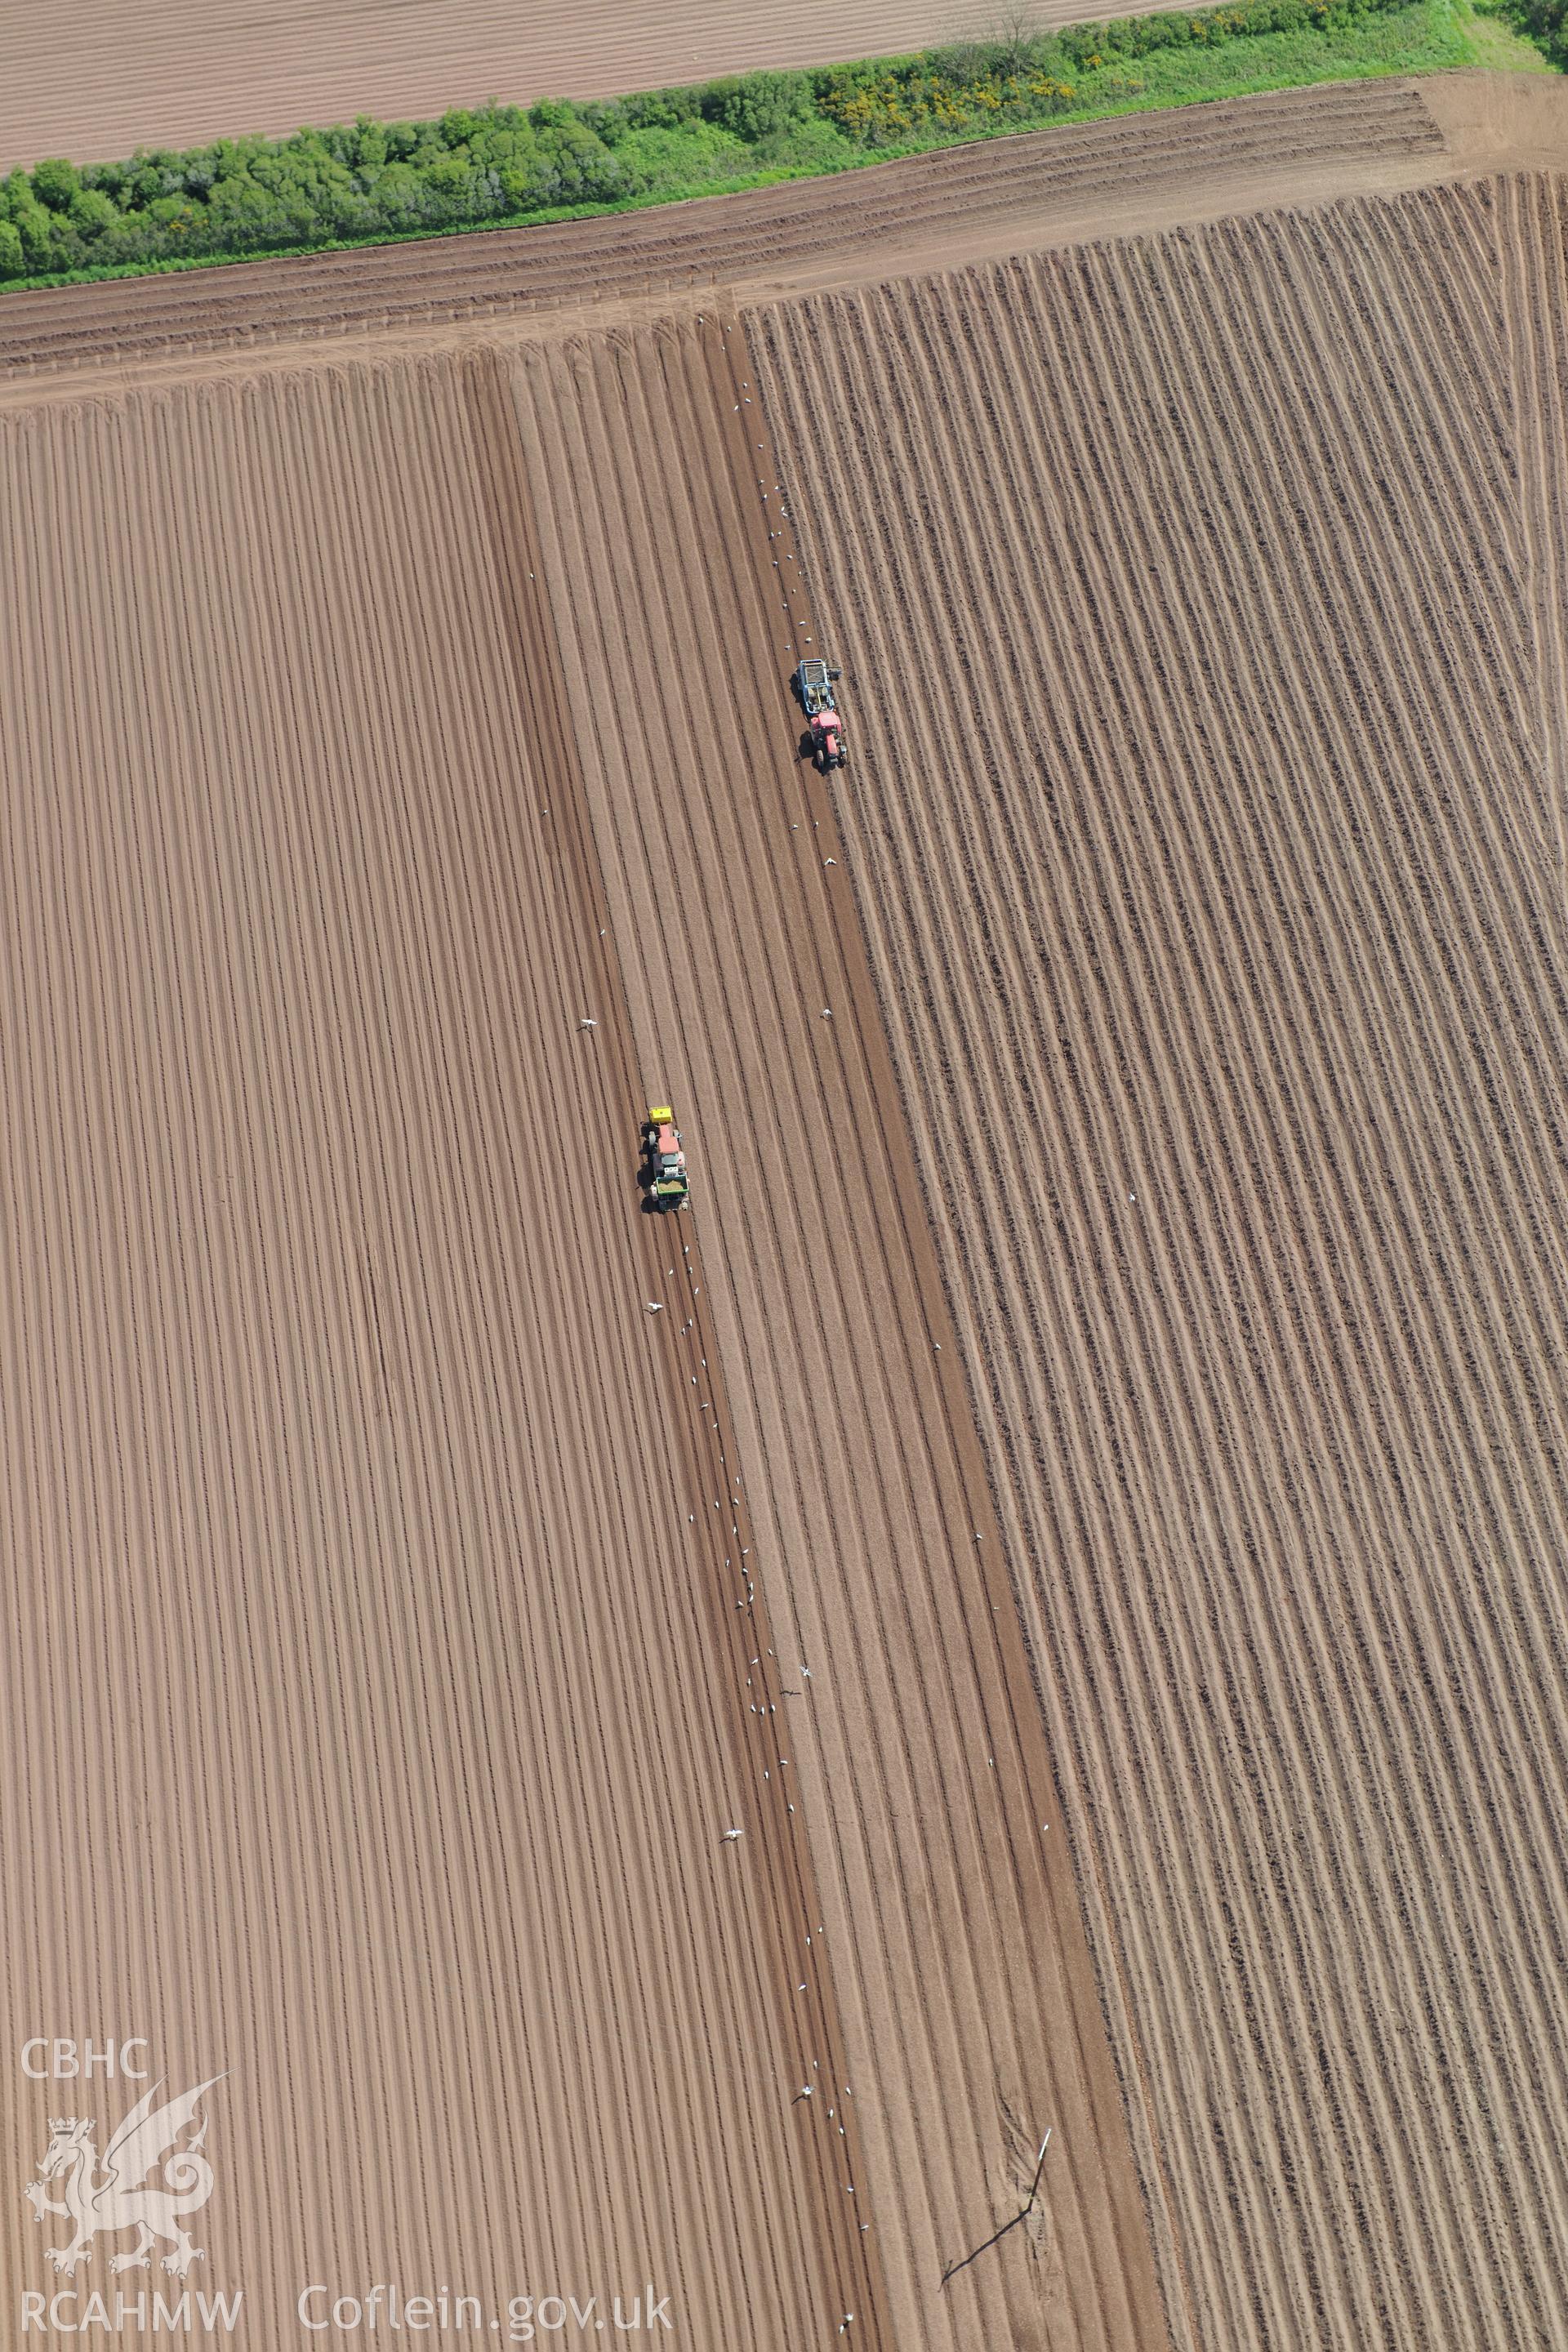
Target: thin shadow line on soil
<point x="996" y="2235"/>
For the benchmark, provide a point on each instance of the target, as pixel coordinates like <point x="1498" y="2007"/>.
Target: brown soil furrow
<point x="1333" y="1118"/>
<point x="1440" y="1167"/>
<point x="712" y="1439"/>
<point x="1532" y="240"/>
<point x="1241" y="688"/>
<point x="693" y="846"/>
<point x="724" y="960"/>
<point x="138" y="75"/>
<point x="901" y="661"/>
<point x="350" y="1460"/>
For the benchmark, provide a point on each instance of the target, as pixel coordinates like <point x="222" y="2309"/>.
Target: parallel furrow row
<point x="1211" y="881"/>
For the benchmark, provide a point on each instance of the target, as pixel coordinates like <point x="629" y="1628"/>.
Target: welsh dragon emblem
<point x="111" y="2197"/>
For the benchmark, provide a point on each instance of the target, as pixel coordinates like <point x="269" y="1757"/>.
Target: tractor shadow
<point x="643" y="1182"/>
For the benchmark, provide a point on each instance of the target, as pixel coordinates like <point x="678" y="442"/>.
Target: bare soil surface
<point x="377" y="1697"/>
<point x="109" y="76"/>
<point x="1089" y="1505"/>
<point x="404" y="1612"/>
<point x="953" y="1931"/>
<point x="1200" y="602"/>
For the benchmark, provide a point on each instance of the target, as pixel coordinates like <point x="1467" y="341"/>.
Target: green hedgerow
<point x="352" y="182"/>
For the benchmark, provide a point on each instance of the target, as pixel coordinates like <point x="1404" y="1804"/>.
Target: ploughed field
<point x="404" y="1612"/>
<point x="377" y="1700"/>
<point x="119" y="74"/>
<point x="1200" y="599"/>
<point x="1088" y="1506"/>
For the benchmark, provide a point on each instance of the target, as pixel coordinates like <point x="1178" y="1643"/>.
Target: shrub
<point x="35" y="227"/>
<point x="606" y="118"/>
<point x="1546" y="22"/>
<point x="13" y="261"/>
<point x="959" y="61"/>
<point x="815" y="145"/>
<point x="448" y="176"/>
<point x="243" y="217"/>
<point x="680" y="158"/>
<point x="765" y="104"/>
<point x="662" y="110"/>
<point x="55" y="183"/>
<point x="973" y="85"/>
<point x="91" y="213"/>
<point x="716" y="99"/>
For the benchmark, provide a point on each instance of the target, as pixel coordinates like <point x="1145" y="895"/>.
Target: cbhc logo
<point x="64" y="2061"/>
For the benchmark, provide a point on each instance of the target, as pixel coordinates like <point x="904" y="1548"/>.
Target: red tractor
<point x="814" y="684"/>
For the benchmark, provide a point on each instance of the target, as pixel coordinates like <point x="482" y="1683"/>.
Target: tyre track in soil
<point x="513" y="274"/>
<point x="953" y="1930"/>
<point x="803" y="2020"/>
<point x="364" y="1729"/>
<point x="1207" y="860"/>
